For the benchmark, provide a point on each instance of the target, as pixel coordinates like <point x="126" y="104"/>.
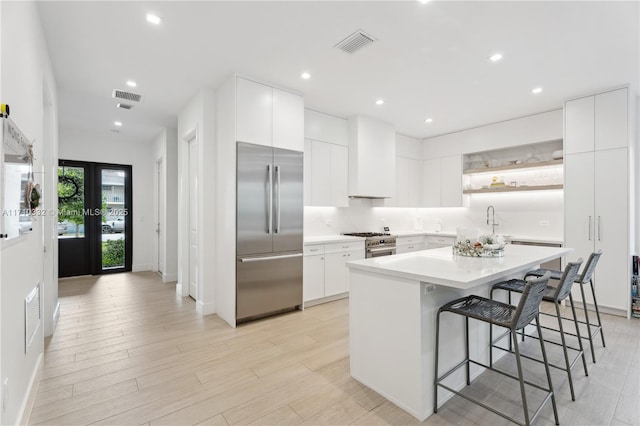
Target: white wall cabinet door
<point x="414" y="183"/>
<point x="320" y="172"/>
<point x="579" y="202"/>
<point x="335" y="276"/>
<point x="451" y="181"/>
<point x="401" y="196"/>
<point x="254" y="112"/>
<point x="431" y="189"/>
<point x="611" y="120"/>
<point x="579" y="125"/>
<point x="339" y="176"/>
<point x="313" y="277"/>
<point x="611" y="225"/>
<point x="288" y="120"/>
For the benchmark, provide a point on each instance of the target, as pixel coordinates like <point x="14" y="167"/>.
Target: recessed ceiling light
<point x="131" y="83"/>
<point x="424" y="1"/>
<point x="380" y="102"/>
<point x="117" y="123"/>
<point x="536" y="90"/>
<point x="495" y="57"/>
<point x="305" y="76"/>
<point x="428" y="120"/>
<point x="153" y="19"/>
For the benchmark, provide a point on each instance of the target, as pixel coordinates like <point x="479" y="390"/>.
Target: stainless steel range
<point x="377" y="244"/>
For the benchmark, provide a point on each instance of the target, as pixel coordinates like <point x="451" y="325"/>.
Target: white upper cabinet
<point x="451" y="180"/>
<point x="326" y="174"/>
<point x="432" y="188"/>
<point x="288" y="120"/>
<point x="269" y="116"/>
<point x="254" y="113"/>
<point x="414" y="183"/>
<point x="372" y="148"/>
<point x="596" y="122"/>
<point x="611" y="120"/>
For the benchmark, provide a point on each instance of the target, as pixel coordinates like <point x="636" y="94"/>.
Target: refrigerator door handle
<point x="277" y="188"/>
<point x="270" y="197"/>
<point x="260" y="259"/>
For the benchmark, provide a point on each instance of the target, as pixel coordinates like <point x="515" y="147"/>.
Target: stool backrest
<point x="529" y="304"/>
<point x="569" y="275"/>
<point x="590" y="267"/>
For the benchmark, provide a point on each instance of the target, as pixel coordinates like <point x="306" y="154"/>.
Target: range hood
<point x="372" y="158"/>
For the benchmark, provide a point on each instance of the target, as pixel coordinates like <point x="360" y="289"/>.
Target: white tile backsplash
<point x="538" y="214"/>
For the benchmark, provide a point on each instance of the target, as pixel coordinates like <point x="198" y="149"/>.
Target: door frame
<point x="182" y="288"/>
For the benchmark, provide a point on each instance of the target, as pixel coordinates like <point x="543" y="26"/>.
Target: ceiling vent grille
<point x="124" y="106"/>
<point x="121" y="94"/>
<point x="355" y="42"/>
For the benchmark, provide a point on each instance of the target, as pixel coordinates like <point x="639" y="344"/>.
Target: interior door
<point x="255" y="177"/>
<point x="193" y="219"/>
<point x="288" y="200"/>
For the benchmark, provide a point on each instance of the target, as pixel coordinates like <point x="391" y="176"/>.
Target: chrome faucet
<point x="493" y="219"/>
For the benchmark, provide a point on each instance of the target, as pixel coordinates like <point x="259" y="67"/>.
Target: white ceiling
<point x="430" y="60"/>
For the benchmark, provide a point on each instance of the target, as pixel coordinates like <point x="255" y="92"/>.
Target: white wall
<point x="198" y="117"/>
<point x="165" y="153"/>
<point x="105" y="147"/>
<point x="26" y="84"/>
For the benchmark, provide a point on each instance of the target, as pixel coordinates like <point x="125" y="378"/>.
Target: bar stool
<point x="555" y="295"/>
<point x="585" y="278"/>
<point x="504" y="315"/>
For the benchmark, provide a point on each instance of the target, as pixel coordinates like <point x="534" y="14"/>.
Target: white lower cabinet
<point x="326" y="274"/>
<point x="409" y="244"/>
<point x="436" y="241"/>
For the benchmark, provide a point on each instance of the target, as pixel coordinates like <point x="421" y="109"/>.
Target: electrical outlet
<point x="429" y="288"/>
<point x="544" y="223"/>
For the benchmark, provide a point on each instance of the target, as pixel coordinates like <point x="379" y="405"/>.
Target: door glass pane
<point x="71" y="222"/>
<point x="114" y="218"/>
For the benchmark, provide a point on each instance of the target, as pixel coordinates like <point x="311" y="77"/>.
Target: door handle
<point x="261" y="259"/>
<point x="589" y="228"/>
<point x="599" y="228"/>
<point x="270" y="218"/>
<point x="376" y="250"/>
<point x="278" y="199"/>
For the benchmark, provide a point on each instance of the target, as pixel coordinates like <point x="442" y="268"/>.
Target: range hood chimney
<point x="372" y="158"/>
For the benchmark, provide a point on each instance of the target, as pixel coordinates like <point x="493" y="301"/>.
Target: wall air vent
<point x="128" y="96"/>
<point x="355" y="42"/>
<point x="124" y="106"/>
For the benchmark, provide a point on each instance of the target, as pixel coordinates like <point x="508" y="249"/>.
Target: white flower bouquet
<point x="488" y="245"/>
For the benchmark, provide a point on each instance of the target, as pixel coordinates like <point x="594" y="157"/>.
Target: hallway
<point x="128" y="351"/>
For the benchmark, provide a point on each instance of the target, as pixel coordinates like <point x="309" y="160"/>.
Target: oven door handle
<point x="376" y="250"/>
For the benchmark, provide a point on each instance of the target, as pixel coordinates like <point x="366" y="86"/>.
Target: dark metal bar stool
<point x="585" y="278"/>
<point x="555" y="295"/>
<point x="504" y="315"/>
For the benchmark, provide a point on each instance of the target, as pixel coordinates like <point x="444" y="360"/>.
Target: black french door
<point x="94" y="218"/>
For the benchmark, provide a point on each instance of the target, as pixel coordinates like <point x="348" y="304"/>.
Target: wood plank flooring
<point x="128" y="351"/>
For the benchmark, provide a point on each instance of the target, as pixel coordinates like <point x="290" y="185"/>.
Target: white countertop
<point x="330" y="239"/>
<point x="440" y="266"/>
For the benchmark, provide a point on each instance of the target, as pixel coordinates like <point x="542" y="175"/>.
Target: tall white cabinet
<point x="597" y="193"/>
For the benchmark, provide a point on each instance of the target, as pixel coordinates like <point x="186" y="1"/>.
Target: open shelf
<point x="512" y="189"/>
<point x="513" y="167"/>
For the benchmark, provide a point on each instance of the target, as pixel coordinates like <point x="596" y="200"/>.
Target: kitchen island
<point x="392" y="308"/>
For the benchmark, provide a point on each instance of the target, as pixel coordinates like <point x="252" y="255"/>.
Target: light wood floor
<point x="128" y="351"/>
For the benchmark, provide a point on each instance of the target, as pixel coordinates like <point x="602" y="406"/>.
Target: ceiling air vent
<point x="355" y="42"/>
<point x="124" y="106"/>
<point x="121" y="94"/>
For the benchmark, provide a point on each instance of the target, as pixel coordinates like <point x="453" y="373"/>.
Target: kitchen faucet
<point x="493" y="219"/>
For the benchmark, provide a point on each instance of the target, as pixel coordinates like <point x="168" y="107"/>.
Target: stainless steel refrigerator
<point x="269" y="220"/>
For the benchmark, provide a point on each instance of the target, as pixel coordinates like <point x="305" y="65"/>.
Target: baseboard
<point x="179" y="289"/>
<point x="30" y="398"/>
<point x="142" y="267"/>
<point x="167" y="278"/>
<point x="205" y="308"/>
<point x="56" y="317"/>
<point x="326" y="299"/>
